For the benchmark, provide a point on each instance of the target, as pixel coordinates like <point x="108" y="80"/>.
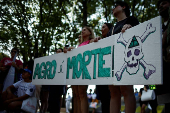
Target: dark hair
<point x="60" y="49"/>
<point x="30" y="66"/>
<point x="109" y="25"/>
<point x="127" y="9"/>
<point x="15" y="49"/>
<point x="160" y="2"/>
<point x="147" y="87"/>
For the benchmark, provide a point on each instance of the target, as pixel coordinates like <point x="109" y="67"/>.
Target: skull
<point x="133" y="53"/>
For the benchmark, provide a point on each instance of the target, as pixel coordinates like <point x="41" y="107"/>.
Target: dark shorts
<point x="143" y="102"/>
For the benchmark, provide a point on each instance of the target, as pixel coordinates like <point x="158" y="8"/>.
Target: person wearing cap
<point x="121" y="12"/>
<point x="25" y="88"/>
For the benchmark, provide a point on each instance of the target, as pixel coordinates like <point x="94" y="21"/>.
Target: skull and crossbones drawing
<point x="134" y="55"/>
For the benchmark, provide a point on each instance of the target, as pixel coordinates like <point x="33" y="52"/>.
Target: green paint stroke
<point x="54" y="64"/>
<point x="48" y="69"/>
<point x="86" y="74"/>
<point x="36" y="71"/>
<point x="103" y="72"/>
<point x="78" y="71"/>
<point x="95" y="52"/>
<point x="70" y="65"/>
<point x="43" y="71"/>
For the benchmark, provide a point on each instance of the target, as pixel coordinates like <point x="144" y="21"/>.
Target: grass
<point x="159" y="109"/>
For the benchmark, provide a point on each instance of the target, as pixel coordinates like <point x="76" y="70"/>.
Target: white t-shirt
<point x="68" y="98"/>
<point x="24" y="88"/>
<point x="94" y="96"/>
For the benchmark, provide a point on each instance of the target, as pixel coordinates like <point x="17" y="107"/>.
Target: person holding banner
<point x="163" y="91"/>
<point x="105" y="29"/>
<point x="5" y="65"/>
<point x="102" y="91"/>
<point x="80" y="100"/>
<point x="55" y="94"/>
<point x="121" y="12"/>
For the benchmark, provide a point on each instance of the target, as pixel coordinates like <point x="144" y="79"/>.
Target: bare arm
<point x="7" y="94"/>
<point x="2" y="68"/>
<point x="10" y="89"/>
<point x="19" y="98"/>
<point x="17" y="67"/>
<point x="11" y="98"/>
<point x="125" y="27"/>
<point x="96" y="39"/>
<point x="24" y="97"/>
<point x="92" y="40"/>
<point x="69" y="49"/>
<point x="139" y="94"/>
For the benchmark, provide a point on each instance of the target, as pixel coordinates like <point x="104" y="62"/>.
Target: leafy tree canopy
<point x="38" y="27"/>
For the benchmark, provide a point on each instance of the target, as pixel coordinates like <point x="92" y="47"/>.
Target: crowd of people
<point x="50" y="96"/>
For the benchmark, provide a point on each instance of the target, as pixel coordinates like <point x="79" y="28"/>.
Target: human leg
<point x="129" y="98"/>
<point x="153" y="104"/>
<point x="44" y="98"/>
<point x="55" y="93"/>
<point x="94" y="109"/>
<point x="37" y="93"/>
<point x="5" y="97"/>
<point x="106" y="106"/>
<point x="143" y="108"/>
<point x="54" y="105"/>
<point x="76" y="99"/>
<point x="15" y="106"/>
<point x="82" y="90"/>
<point x="115" y="102"/>
<point x="67" y="106"/>
<point x="103" y="94"/>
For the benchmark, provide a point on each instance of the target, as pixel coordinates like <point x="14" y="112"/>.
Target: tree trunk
<point x="133" y="8"/>
<point x="84" y="13"/>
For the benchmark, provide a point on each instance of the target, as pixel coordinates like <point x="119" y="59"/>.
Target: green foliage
<point x="38" y="27"/>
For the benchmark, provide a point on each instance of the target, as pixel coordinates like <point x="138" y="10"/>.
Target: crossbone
<point x="128" y="66"/>
<point x="148" y="69"/>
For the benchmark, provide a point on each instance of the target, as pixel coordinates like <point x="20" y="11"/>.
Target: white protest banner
<point x="138" y="54"/>
<point x="50" y="70"/>
<point x="93" y="64"/>
<point x="131" y="58"/>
